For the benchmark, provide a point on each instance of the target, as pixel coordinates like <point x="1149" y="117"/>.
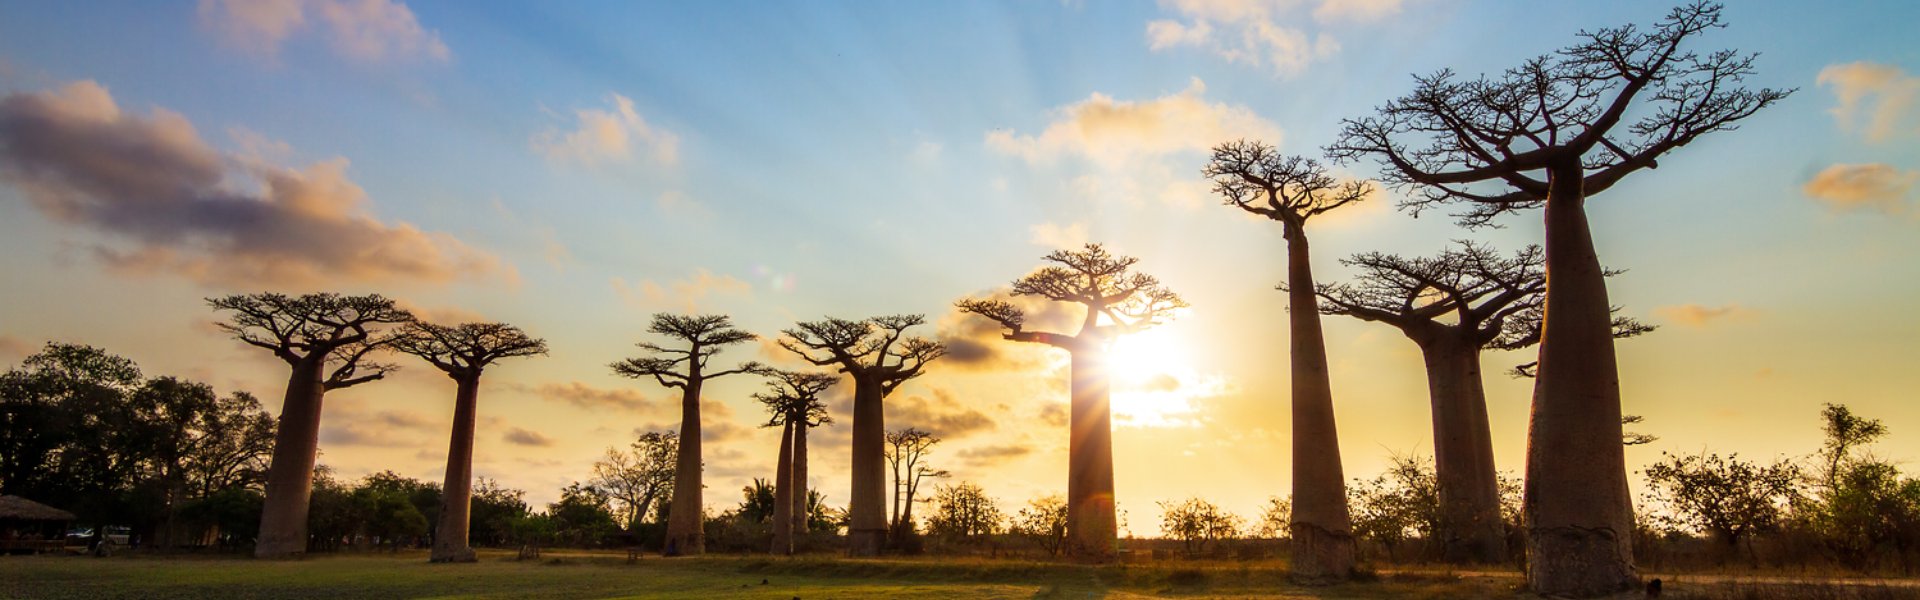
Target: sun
<point x="1155" y="381"/>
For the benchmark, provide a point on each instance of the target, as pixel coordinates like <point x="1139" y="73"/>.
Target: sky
<point x="573" y="168"/>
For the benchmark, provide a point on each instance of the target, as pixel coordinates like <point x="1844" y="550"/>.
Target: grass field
<point x="590" y="575"/>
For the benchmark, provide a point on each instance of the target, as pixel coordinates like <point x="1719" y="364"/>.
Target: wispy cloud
<point x="1267" y="34"/>
<point x="371" y="31"/>
<point x="687" y="295"/>
<point x="1874" y="99"/>
<point x="1696" y="315"/>
<point x="610" y="135"/>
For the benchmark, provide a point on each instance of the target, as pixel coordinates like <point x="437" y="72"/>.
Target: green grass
<point x="607" y="575"/>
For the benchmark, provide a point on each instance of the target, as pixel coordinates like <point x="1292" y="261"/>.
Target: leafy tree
<point x="1044" y="522"/>
<point x="1551" y="133"/>
<point x="1197" y="522"/>
<point x="686" y="368"/>
<point x="1115" y="301"/>
<point x="582" y="516"/>
<point x="1845" y="433"/>
<point x="1254" y="177"/>
<point x="756" y="504"/>
<point x="1732" y="499"/>
<point x="325" y="339"/>
<point x="1402" y="503"/>
<point x="1275" y="515"/>
<point x="494" y="510"/>
<point x="879" y="356"/>
<point x="639" y="479"/>
<point x="963" y="513"/>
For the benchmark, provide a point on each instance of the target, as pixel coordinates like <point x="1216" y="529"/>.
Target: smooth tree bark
<point x="1292" y="190"/>
<point x="877" y="354"/>
<point x="1549" y="134"/>
<point x="686" y="369"/>
<point x="1453" y="306"/>
<point x="1116" y="302"/>
<point x="906" y="448"/>
<point x="325" y="339"/>
<point x="793" y="403"/>
<point x="463" y="352"/>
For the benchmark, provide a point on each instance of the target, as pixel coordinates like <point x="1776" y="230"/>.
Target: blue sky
<point x="791" y="160"/>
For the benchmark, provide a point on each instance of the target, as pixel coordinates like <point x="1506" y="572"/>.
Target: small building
<point x="27" y="527"/>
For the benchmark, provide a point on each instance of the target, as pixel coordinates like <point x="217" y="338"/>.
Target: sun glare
<point x="1155" y="381"/>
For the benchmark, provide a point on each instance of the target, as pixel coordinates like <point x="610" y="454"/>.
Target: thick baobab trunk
<point x="867" y="509"/>
<point x="1092" y="532"/>
<point x="283" y="516"/>
<point x="685" y="529"/>
<point x="1322" y="528"/>
<point x="456" y="497"/>
<point x="783" y="494"/>
<point x="800" y="489"/>
<point x="1578" y="512"/>
<point x="1470" y="526"/>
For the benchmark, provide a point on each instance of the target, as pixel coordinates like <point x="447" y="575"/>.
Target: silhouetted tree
<point x="686" y="369"/>
<point x="325" y="339"/>
<point x="1256" y="178"/>
<point x="641" y="477"/>
<point x="462" y="352"/>
<point x="906" y="448"/>
<point x="793" y="404"/>
<point x="1844" y="433"/>
<point x="1452" y="306"/>
<point x="1044" y="521"/>
<point x="1197" y="522"/>
<point x="1275" y="516"/>
<point x="879" y="357"/>
<point x="1731" y="499"/>
<point x="963" y="513"/>
<point x="1116" y="302"/>
<point x="1551" y="133"/>
<point x="1400" y="503"/>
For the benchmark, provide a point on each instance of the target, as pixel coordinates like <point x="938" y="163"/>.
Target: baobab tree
<point x="906" y="448"/>
<point x="1254" y="177"/>
<point x="687" y="370"/>
<point x="1452" y="306"/>
<point x="1116" y="302"/>
<point x="793" y="403"/>
<point x="878" y="355"/>
<point x="325" y="339"/>
<point x="462" y="352"/>
<point x="1549" y="134"/>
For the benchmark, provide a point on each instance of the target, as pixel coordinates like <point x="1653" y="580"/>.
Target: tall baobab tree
<point x="879" y="356"/>
<point x="325" y="339"/>
<point x="1452" y="306"/>
<point x="1548" y="134"/>
<point x="793" y="403"/>
<point x="1116" y="302"/>
<point x="906" y="448"/>
<point x="686" y="369"/>
<point x="1255" y="178"/>
<point x="462" y="352"/>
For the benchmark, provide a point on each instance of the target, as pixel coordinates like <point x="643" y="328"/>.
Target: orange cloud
<point x="1695" y="315"/>
<point x="365" y="30"/>
<point x="686" y="295"/>
<point x="1876" y="186"/>
<point x="153" y="184"/>
<point x="1874" y="98"/>
<point x="527" y="437"/>
<point x="608" y="136"/>
<point x="586" y="396"/>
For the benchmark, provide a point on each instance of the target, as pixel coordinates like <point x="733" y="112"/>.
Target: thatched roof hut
<point x="15" y="508"/>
